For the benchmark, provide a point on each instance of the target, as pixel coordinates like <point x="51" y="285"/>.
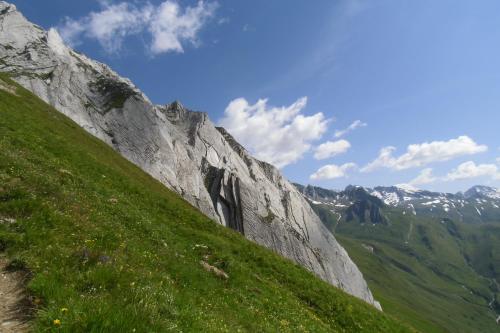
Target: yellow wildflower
<point x="57" y="322"/>
<point x="64" y="310"/>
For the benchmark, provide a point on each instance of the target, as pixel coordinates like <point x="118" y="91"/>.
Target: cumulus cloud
<point x="418" y="155"/>
<point x="331" y="148"/>
<point x="356" y="124"/>
<point x="470" y="169"/>
<point x="498" y="160"/>
<point x="425" y="177"/>
<point x="109" y="26"/>
<point x="333" y="171"/>
<point x="169" y="25"/>
<point x="466" y="170"/>
<point x="278" y="135"/>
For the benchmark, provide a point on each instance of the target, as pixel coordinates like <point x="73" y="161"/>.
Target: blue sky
<point x="422" y="73"/>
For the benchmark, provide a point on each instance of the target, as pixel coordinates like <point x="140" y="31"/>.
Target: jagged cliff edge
<point x="180" y="148"/>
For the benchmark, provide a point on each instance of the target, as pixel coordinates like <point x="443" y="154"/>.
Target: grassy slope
<point x="482" y="246"/>
<point x="426" y="282"/>
<point x="121" y="252"/>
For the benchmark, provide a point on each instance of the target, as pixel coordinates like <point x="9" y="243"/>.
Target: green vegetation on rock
<point x="112" y="250"/>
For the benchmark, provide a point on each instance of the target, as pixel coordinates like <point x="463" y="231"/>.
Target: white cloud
<point x="169" y="25"/>
<point x="331" y="148"/>
<point x="418" y="155"/>
<point x="470" y="169"/>
<point x="356" y="124"/>
<point x="425" y="177"/>
<point x="278" y="135"/>
<point x="109" y="26"/>
<point x="498" y="160"/>
<point x="70" y="31"/>
<point x="333" y="171"/>
<point x="466" y="170"/>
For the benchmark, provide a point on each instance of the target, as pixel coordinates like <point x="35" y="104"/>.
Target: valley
<point x="434" y="265"/>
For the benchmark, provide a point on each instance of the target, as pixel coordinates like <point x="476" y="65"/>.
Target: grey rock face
<point x="180" y="148"/>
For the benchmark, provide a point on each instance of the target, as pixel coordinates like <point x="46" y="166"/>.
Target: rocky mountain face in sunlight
<point x="180" y="148"/>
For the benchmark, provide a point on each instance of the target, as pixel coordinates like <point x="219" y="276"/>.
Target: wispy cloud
<point x="248" y="28"/>
<point x="356" y="124"/>
<point x="425" y="177"/>
<point x="333" y="171"/>
<point x="278" y="135"/>
<point x="418" y="155"/>
<point x="169" y="25"/>
<point x="223" y="20"/>
<point x="321" y="60"/>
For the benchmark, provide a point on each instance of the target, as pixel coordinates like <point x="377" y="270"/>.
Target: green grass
<point x="122" y="253"/>
<point x="427" y="282"/>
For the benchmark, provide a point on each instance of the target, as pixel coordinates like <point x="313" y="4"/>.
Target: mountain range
<point x="428" y="256"/>
<point x="479" y="204"/>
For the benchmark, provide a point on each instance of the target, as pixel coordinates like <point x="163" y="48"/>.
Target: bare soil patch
<point x="13" y="310"/>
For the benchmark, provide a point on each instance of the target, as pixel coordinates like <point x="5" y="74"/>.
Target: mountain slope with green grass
<point x="427" y="281"/>
<point x="435" y="273"/>
<point x="110" y="249"/>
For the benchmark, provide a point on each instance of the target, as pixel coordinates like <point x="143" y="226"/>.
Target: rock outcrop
<point x="180" y="148"/>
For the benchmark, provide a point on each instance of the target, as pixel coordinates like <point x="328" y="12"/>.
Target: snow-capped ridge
<point x="478" y="204"/>
<point x="482" y="191"/>
<point x="407" y="187"/>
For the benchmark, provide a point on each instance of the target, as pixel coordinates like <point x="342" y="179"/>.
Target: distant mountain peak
<point x="482" y="191"/>
<point x="407" y="187"/>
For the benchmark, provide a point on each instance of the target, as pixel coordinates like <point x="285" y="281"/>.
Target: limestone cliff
<point x="180" y="148"/>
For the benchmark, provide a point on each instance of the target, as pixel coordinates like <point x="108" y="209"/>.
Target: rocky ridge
<point x="180" y="148"/>
<point x="479" y="204"/>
